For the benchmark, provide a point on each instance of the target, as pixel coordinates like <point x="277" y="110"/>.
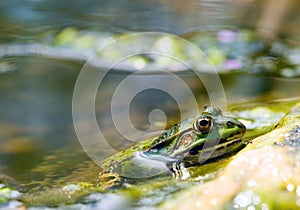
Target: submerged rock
<point x="265" y="175"/>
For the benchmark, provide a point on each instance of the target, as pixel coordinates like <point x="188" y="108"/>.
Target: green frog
<point x="193" y="142"/>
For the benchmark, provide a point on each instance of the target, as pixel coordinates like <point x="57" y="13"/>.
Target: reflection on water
<point x="39" y="147"/>
<point x="35" y="113"/>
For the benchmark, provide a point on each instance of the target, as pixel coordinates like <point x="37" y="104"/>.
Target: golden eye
<point x="202" y="125"/>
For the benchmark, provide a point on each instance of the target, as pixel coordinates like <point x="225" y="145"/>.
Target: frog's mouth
<point x="213" y="148"/>
<point x="203" y="152"/>
<point x="223" y="145"/>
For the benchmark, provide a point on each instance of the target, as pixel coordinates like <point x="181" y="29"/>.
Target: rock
<point x="265" y="175"/>
<point x="92" y="202"/>
<point x="9" y="198"/>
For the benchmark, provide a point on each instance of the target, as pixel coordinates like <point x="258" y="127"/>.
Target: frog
<point x="193" y="142"/>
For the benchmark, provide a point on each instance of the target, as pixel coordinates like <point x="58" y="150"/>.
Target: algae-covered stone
<point x="68" y="194"/>
<point x="265" y="175"/>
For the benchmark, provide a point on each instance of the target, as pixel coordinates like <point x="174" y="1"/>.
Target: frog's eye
<point x="202" y="125"/>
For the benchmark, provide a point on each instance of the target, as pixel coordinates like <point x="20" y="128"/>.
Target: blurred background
<point x="44" y="44"/>
<point x="26" y="19"/>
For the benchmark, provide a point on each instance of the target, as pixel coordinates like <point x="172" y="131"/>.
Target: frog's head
<point x="213" y="126"/>
<point x="211" y="131"/>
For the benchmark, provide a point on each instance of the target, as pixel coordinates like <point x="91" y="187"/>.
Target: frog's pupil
<point x="203" y="122"/>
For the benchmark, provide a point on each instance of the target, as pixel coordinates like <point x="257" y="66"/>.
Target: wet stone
<point x="11" y="205"/>
<point x="292" y="138"/>
<point x="105" y="201"/>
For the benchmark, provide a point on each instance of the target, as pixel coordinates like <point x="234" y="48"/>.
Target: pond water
<point x="40" y="148"/>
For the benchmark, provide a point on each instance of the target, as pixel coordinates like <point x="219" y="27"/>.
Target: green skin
<point x="193" y="142"/>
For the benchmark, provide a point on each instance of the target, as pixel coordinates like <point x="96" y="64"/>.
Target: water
<point x="40" y="148"/>
<point x="35" y="113"/>
<point x="36" y="117"/>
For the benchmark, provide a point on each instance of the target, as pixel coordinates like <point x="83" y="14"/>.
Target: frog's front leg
<point x="180" y="171"/>
<point x="108" y="180"/>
